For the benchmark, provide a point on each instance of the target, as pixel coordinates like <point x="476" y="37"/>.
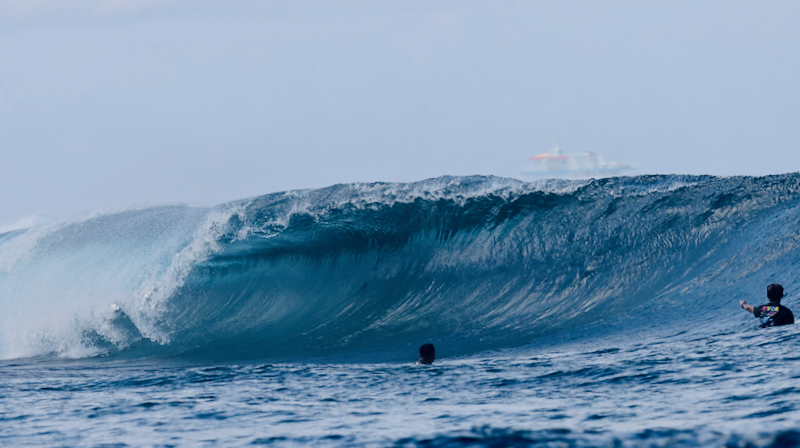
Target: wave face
<point x="371" y="271"/>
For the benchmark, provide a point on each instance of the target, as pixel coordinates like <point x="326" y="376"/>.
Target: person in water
<point x="773" y="313"/>
<point x="426" y="354"/>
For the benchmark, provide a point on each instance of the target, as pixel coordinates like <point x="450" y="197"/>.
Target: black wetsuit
<point x="773" y="314"/>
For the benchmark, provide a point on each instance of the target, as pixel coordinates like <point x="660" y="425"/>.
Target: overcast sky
<point x="117" y="102"/>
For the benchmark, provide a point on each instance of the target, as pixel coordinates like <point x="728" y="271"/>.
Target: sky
<point x="111" y="103"/>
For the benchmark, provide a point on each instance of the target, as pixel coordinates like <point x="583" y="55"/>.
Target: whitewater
<point x="564" y="314"/>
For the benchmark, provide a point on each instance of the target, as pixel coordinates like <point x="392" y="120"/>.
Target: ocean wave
<point x="370" y="271"/>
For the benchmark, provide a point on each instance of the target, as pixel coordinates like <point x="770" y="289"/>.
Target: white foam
<point x="63" y="279"/>
<point x="363" y="196"/>
<point x="154" y="292"/>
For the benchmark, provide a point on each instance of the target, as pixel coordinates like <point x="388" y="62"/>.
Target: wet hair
<point x="774" y="293"/>
<point x="426" y="354"/>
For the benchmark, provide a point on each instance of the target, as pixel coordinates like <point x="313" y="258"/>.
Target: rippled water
<point x="725" y="389"/>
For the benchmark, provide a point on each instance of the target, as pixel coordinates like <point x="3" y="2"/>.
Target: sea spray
<point x="66" y="284"/>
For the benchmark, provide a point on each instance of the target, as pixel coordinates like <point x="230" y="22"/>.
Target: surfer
<point x="426" y="354"/>
<point x="773" y="313"/>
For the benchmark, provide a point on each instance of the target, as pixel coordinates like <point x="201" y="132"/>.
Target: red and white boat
<point x="555" y="163"/>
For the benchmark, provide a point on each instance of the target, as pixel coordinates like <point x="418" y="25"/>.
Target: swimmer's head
<point x="427" y="354"/>
<point x="774" y="292"/>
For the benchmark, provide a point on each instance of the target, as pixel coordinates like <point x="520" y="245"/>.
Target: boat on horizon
<point x="556" y="164"/>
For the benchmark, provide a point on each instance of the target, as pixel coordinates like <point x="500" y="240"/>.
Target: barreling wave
<point x="370" y="271"/>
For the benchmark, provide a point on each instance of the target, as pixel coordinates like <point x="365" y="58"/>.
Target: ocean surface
<point x="598" y="313"/>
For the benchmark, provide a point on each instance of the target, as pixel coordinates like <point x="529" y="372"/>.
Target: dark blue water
<point x="601" y="313"/>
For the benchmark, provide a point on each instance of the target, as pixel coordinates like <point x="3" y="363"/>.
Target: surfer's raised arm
<point x="746" y="306"/>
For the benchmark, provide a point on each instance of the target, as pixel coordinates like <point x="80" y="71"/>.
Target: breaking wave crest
<point x="372" y="270"/>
